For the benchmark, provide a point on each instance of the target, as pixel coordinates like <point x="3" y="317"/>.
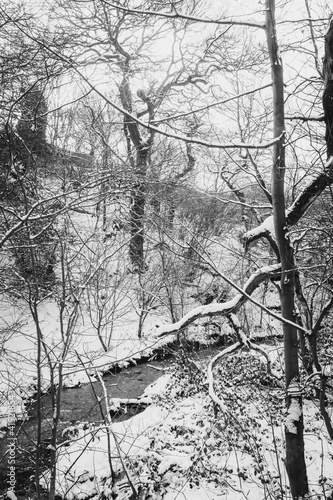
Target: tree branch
<point x="130" y="117"/>
<point x="298" y="208"/>
<point x="231" y="306"/>
<point x="303" y="118"/>
<point x="184" y="16"/>
<point x="208" y="106"/>
<point x="243" y="341"/>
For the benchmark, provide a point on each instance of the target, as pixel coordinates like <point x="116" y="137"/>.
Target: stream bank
<point x="80" y="404"/>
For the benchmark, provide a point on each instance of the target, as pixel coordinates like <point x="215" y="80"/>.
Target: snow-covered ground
<point x="18" y="359"/>
<point x="178" y="448"/>
<point x="96" y="275"/>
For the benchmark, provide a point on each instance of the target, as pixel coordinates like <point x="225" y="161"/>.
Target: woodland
<point x="166" y="172"/>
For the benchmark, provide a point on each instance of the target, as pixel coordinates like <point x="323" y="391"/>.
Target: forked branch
<point x="298" y="208"/>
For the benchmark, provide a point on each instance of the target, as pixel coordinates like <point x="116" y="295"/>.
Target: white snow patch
<point x="206" y="491"/>
<point x="181" y="460"/>
<point x="157" y="388"/>
<point x="266" y="227"/>
<point x="294" y="414"/>
<point x="84" y="465"/>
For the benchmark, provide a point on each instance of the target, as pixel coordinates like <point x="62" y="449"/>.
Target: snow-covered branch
<point x="264" y="230"/>
<point x="309" y="194"/>
<point x="298" y="208"/>
<point x="210" y="375"/>
<point x="303" y="118"/>
<point x="211" y="310"/>
<point x="231" y="306"/>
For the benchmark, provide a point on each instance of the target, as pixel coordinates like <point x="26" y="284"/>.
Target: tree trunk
<point x="138" y="151"/>
<point x="137" y="212"/>
<point x="295" y="460"/>
<point x="328" y="89"/>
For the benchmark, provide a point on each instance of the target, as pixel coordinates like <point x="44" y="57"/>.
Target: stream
<point x="79" y="404"/>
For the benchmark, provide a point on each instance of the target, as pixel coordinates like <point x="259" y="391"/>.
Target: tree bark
<point x="137" y="214"/>
<point x="328" y="89"/>
<point x="295" y="460"/>
<point x="138" y="150"/>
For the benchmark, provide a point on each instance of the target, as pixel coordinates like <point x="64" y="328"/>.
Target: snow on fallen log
<point x="119" y="404"/>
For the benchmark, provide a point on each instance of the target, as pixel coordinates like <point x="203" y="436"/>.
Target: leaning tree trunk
<point x="295" y="460"/>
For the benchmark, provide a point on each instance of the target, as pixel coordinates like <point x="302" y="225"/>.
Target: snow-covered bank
<point x="85" y="357"/>
<point x="84" y="466"/>
<point x="179" y="448"/>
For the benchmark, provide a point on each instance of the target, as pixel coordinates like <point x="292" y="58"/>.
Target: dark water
<point x="78" y="405"/>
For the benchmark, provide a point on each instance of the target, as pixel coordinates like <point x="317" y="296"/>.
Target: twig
<point x="109" y="420"/>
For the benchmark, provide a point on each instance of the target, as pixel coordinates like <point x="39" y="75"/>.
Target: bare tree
<point x="196" y="92"/>
<point x="276" y="229"/>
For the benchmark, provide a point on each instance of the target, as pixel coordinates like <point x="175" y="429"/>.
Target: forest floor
<point x="184" y="447"/>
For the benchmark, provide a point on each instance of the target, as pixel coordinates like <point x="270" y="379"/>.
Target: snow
<point x="177" y="436"/>
<point x="206" y="491"/>
<point x="293" y="416"/>
<point x="181" y="460"/>
<point x="18" y="366"/>
<point x="171" y="437"/>
<point x="158" y="388"/>
<point x="83" y="467"/>
<point x="198" y="312"/>
<point x="267" y="226"/>
<point x="84" y="355"/>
